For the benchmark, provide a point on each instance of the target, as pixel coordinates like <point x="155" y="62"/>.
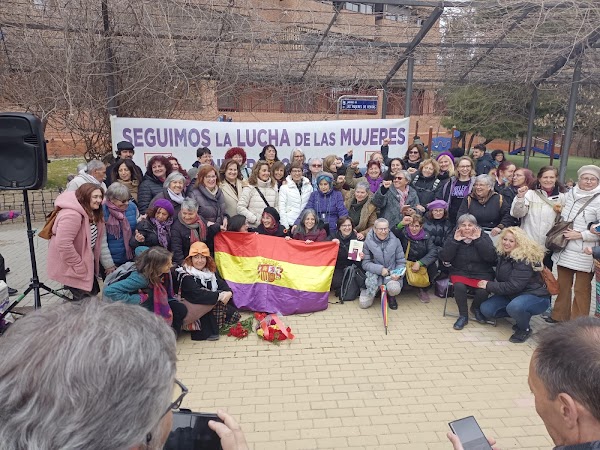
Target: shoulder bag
<point x="555" y="239"/>
<point x="420" y="278"/>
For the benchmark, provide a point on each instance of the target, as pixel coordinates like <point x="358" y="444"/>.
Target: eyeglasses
<point x="316" y="165"/>
<point x="413" y="153"/>
<point x="589" y="179"/>
<point x="346" y="225"/>
<point x="175" y="405"/>
<point x="398" y="178"/>
<point x="381" y="229"/>
<point x="464" y="166"/>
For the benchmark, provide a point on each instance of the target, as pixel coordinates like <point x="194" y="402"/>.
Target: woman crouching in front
<point x="519" y="290"/>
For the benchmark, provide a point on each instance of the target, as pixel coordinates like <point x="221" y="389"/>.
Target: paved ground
<point x="342" y="383"/>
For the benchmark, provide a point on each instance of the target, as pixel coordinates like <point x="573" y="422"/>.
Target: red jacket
<point x="70" y="257"/>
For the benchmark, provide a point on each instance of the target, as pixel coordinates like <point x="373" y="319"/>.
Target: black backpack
<point x="352" y="282"/>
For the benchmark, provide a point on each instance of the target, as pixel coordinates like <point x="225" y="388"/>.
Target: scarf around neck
<point x="197" y="229"/>
<point x="177" y="198"/>
<point x="163" y="230"/>
<point x="161" y="297"/>
<point x="416" y="237"/>
<point x="374" y="183"/>
<point x="117" y="222"/>
<point x="203" y="276"/>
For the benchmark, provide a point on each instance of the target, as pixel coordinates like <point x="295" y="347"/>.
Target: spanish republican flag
<point x="274" y="275"/>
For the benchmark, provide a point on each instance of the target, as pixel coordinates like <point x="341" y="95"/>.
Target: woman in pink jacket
<point x="78" y="241"/>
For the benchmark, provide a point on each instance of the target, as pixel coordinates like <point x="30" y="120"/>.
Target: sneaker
<point x="213" y="337"/>
<point x="424" y="296"/>
<point x="520" y="336"/>
<point x="392" y="303"/>
<point x="461" y="322"/>
<point x="12" y="291"/>
<point x="479" y="317"/>
<point x="515" y="327"/>
<point x="551" y="320"/>
<point x="365" y="301"/>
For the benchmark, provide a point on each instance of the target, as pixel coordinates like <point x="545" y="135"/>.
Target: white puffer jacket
<point x="292" y="201"/>
<point x="572" y="257"/>
<point x="537" y="215"/>
<point x="251" y="205"/>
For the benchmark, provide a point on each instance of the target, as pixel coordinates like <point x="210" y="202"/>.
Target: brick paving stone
<point x="342" y="383"/>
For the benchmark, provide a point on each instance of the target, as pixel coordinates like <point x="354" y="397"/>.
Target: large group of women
<point x="151" y="236"/>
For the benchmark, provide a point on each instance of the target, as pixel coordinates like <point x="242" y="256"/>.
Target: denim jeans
<point x="520" y="308"/>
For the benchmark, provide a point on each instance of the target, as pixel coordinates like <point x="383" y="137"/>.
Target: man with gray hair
<point x="94" y="172"/>
<point x="563" y="377"/>
<point x="92" y="376"/>
<point x="384" y="263"/>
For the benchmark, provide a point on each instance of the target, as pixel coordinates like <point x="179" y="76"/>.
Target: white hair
<point x="173" y="176"/>
<point x="94" y="164"/>
<point x="189" y="204"/>
<point x="90" y="375"/>
<point x="117" y="191"/>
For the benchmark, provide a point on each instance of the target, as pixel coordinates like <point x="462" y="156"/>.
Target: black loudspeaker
<point x="23" y="158"/>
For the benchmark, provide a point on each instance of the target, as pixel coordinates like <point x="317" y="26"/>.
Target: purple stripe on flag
<point x="263" y="297"/>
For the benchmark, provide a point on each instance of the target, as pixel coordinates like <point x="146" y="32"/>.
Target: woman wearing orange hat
<point x="206" y="295"/>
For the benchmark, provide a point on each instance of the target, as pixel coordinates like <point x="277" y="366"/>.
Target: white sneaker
<point x="365" y="300"/>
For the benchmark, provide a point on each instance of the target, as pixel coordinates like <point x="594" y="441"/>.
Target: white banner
<point x="181" y="138"/>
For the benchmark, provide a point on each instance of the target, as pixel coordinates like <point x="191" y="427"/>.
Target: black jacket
<point x="148" y="230"/>
<point x="181" y="242"/>
<point x="495" y="212"/>
<point x="484" y="164"/>
<point x="422" y="250"/>
<point x="514" y="278"/>
<point x="149" y="188"/>
<point x="439" y="230"/>
<point x="426" y="187"/>
<point x="342" y="260"/>
<point x="473" y="260"/>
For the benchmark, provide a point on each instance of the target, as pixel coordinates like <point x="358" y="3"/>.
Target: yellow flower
<point x="260" y="332"/>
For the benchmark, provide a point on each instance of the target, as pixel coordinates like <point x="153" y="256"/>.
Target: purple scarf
<point x="163" y="230"/>
<point x="374" y="183"/>
<point x="162" y="294"/>
<point x="116" y="221"/>
<point x="416" y="237"/>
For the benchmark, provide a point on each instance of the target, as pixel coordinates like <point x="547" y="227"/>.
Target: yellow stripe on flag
<point x="257" y="269"/>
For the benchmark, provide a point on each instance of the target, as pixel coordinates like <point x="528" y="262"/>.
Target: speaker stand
<point x="35" y="284"/>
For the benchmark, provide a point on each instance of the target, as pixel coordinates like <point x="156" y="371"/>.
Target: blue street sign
<point x="358" y="105"/>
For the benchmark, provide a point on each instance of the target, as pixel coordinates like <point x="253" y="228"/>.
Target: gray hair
<point x="81" y="166"/>
<point x="173" y="176"/>
<point x="76" y="375"/>
<point x="381" y="221"/>
<point x="193" y="172"/>
<point x="485" y="179"/>
<point x="296" y="149"/>
<point x="189" y="204"/>
<point x="363" y="185"/>
<point x="567" y="360"/>
<point x="93" y="165"/>
<point x="466" y="218"/>
<point x="406" y="174"/>
<point x="117" y="191"/>
<point x="311" y="160"/>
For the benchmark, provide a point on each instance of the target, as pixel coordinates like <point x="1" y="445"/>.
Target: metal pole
<point x="570" y="120"/>
<point x="409" y="86"/>
<point x="110" y="69"/>
<point x="528" y="144"/>
<point x="385" y="100"/>
<point x="554" y="133"/>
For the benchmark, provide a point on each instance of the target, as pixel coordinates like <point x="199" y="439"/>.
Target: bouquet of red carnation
<point x="272" y="329"/>
<point x="240" y="330"/>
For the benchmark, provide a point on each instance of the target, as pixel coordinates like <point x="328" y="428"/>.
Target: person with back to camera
<point x="384" y="264"/>
<point x="518" y="288"/>
<point x="563" y="378"/>
<point x="470" y="256"/>
<point x="78" y="244"/>
<point x="125" y="403"/>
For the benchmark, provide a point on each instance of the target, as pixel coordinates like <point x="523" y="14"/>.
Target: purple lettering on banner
<point x="393" y="135"/>
<point x="332" y="139"/>
<point x="240" y="142"/>
<point x="345" y="136"/>
<point x="127" y="134"/>
<point x="374" y="137"/>
<point x="149" y="137"/>
<point x="162" y="142"/>
<point x="250" y="138"/>
<point x="138" y="137"/>
<point x="298" y="139"/>
<point x="285" y="139"/>
<point x="194" y="137"/>
<point x="250" y="163"/>
<point x="227" y="140"/>
<point x="205" y="137"/>
<point x="365" y="140"/>
<point x="260" y="137"/>
<point x="306" y="140"/>
<point x="401" y="136"/>
<point x="180" y="138"/>
<point x="274" y="137"/>
<point x="383" y="133"/>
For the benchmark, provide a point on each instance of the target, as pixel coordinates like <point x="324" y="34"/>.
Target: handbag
<point x="420" y="278"/>
<point x="550" y="282"/>
<point x="555" y="239"/>
<point x="443" y="285"/>
<point x="352" y="282"/>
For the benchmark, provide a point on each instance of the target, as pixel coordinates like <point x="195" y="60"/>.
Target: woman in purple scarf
<point x="155" y="229"/>
<point x="374" y="175"/>
<point x="120" y="217"/>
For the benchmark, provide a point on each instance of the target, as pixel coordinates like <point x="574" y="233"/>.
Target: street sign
<point x="358" y="105"/>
